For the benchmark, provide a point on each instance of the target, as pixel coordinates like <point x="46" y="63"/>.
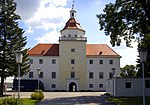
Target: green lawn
<point x="23" y="101"/>
<point x="28" y="101"/>
<point x="129" y="101"/>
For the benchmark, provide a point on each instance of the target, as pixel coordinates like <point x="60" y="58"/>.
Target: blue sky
<point x="43" y="19"/>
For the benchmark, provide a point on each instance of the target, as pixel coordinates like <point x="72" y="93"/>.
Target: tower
<point x="72" y="55"/>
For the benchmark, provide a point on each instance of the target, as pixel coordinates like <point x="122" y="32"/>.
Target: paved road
<point x="69" y="98"/>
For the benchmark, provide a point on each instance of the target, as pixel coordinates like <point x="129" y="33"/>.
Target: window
<point x="72" y="75"/>
<point x="90" y="85"/>
<point x="100" y="85"/>
<point x="91" y="61"/>
<point x="41" y="75"/>
<point x="31" y="61"/>
<point x="53" y="74"/>
<point x="72" y="14"/>
<point x="147" y="83"/>
<point x="72" y="61"/>
<point x="75" y="35"/>
<point x="100" y="61"/>
<point x="128" y="85"/>
<point x="31" y="74"/>
<point x="101" y="75"/>
<point x="53" y="61"/>
<point x="40" y="61"/>
<point x="110" y="75"/>
<point x="69" y="35"/>
<point x="110" y="61"/>
<point x="72" y="50"/>
<point x="53" y="85"/>
<point x="90" y="75"/>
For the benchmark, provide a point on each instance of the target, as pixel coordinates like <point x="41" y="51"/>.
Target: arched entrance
<point x="72" y="87"/>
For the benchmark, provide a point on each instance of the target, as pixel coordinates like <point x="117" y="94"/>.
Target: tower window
<point x="72" y="50"/>
<point x="72" y="75"/>
<point x="72" y="61"/>
<point x="72" y="14"/>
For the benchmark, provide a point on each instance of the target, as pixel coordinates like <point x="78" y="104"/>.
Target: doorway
<point x="72" y="87"/>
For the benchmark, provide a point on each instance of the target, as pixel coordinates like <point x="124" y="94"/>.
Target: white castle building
<point x="72" y="64"/>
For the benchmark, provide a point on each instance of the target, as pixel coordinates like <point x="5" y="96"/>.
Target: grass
<point x="23" y="101"/>
<point x="129" y="101"/>
<point x="28" y="101"/>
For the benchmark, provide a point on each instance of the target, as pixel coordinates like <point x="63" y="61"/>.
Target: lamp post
<point x="38" y="70"/>
<point x="19" y="61"/>
<point x="113" y="73"/>
<point x="143" y="56"/>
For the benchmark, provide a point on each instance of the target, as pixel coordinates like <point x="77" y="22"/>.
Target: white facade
<point x="47" y="68"/>
<point x="99" y="83"/>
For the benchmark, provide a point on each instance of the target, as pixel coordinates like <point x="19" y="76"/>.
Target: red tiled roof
<point x="91" y="50"/>
<point x="45" y="50"/>
<point x="99" y="50"/>
<point x="72" y="23"/>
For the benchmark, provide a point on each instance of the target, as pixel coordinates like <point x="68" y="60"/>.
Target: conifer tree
<point x="11" y="40"/>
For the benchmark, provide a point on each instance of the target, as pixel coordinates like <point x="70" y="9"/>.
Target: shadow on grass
<point x="91" y="100"/>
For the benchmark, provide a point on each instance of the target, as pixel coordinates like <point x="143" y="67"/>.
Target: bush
<point x="37" y="95"/>
<point x="9" y="101"/>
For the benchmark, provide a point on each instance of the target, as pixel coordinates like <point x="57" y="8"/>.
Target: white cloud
<point x="52" y="16"/>
<point x="26" y="8"/>
<point x="44" y="14"/>
<point x="98" y="2"/>
<point x="51" y="37"/>
<point x="128" y="55"/>
<point x="29" y="31"/>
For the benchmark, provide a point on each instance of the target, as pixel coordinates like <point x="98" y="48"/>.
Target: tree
<point x="129" y="71"/>
<point x="11" y="40"/>
<point x="127" y="20"/>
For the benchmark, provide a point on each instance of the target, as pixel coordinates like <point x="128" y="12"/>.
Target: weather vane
<point x="73" y="4"/>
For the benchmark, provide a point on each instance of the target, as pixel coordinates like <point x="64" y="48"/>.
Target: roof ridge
<point x="113" y="50"/>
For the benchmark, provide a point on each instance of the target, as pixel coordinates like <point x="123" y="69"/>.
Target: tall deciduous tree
<point x="127" y="20"/>
<point x="129" y="71"/>
<point x="11" y="40"/>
